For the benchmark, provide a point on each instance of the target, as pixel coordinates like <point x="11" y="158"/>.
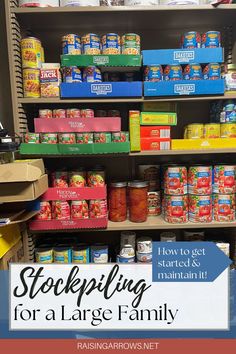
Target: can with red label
<point x="173" y="72"/>
<point x="176" y="208"/>
<point x="193" y="72"/>
<point x="224" y="207"/>
<point x="73" y="113"/>
<point x="77" y="178"/>
<point x="67" y="138"/>
<point x="79" y="209"/>
<point x="59" y="113"/>
<point x="154" y="203"/>
<point x="103" y="137"/>
<point x="45" y="212"/>
<point x="96" y="177"/>
<point x="224" y="179"/>
<point x="175" y="180"/>
<point x="211" y="39"/>
<point x="200" y="208"/>
<point x="49" y="138"/>
<point x="212" y="71"/>
<point x="191" y="40"/>
<point x="60" y="210"/>
<point x="31" y="138"/>
<point x="119" y="137"/>
<point x="200" y="180"/>
<point x="45" y="113"/>
<point x="84" y="138"/>
<point x="59" y="179"/>
<point x="87" y="113"/>
<point x="97" y="208"/>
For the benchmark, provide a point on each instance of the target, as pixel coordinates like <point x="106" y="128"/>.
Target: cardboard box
<point x="203" y="144"/>
<point x="9" y="236"/>
<point x="21" y="171"/>
<point x="158" y="118"/>
<point x="155" y="144"/>
<point x="134" y="130"/>
<point x="159" y="107"/>
<point x="155" y="131"/>
<point x="14" y="255"/>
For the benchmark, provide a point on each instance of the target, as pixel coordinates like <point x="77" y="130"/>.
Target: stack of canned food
<point x="77" y="113"/>
<point x="210" y="130"/>
<point x="132" y="250"/>
<point x="223" y="111"/>
<point x="93" y="44"/>
<point x="192" y="39"/>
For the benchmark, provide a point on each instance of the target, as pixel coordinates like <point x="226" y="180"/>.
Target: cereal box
<point x="50" y="79"/>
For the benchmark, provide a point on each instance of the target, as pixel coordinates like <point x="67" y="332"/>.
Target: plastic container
<point x="118" y="201"/>
<point x="138" y="201"/>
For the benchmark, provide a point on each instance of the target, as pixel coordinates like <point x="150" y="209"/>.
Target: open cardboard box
<point x="11" y="247"/>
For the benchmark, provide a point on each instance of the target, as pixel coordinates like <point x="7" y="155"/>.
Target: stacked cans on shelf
<point x="128" y="248"/>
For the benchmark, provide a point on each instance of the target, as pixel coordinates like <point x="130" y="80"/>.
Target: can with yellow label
<point x="228" y="130"/>
<point x="31" y="53"/>
<point x="31" y="83"/>
<point x="211" y="130"/>
<point x="194" y="131"/>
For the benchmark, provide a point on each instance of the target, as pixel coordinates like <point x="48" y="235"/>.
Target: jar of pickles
<point x="138" y="201"/>
<point x="117" y="201"/>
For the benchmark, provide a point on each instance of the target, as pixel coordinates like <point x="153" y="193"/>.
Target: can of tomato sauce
<point x="49" y="138"/>
<point x="102" y="137"/>
<point x="96" y="177"/>
<point x="191" y="40"/>
<point x="59" y="179"/>
<point x="97" y="208"/>
<point x="45" y="113"/>
<point x="224" y="207"/>
<point x="84" y="138"/>
<point x="173" y="72"/>
<point x="32" y="138"/>
<point x="67" y="138"/>
<point x="87" y="113"/>
<point x="60" y="210"/>
<point x="224" y="179"/>
<point x="154" y="203"/>
<point x="228" y="130"/>
<point x="45" y="211"/>
<point x="73" y="113"/>
<point x="77" y="179"/>
<point x="212" y="130"/>
<point x="211" y="39"/>
<point x="192" y="72"/>
<point x="175" y="180"/>
<point x="200" y="180"/>
<point x="59" y="113"/>
<point x="200" y="208"/>
<point x="79" y="209"/>
<point x="176" y="208"/>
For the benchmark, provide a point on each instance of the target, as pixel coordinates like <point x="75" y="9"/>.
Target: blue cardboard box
<point x="183" y="56"/>
<point x="104" y="89"/>
<point x="184" y="87"/>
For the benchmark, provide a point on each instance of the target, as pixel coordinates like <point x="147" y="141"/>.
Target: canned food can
<point x="224" y="179"/>
<point x="67" y="138"/>
<point x="87" y="113"/>
<point x="119" y="137"/>
<point x="175" y="180"/>
<point x="59" y="113"/>
<point x="97" y="208"/>
<point x="59" y="179"/>
<point x="173" y="72"/>
<point x="192" y="72"/>
<point x="126" y="260"/>
<point x="153" y="73"/>
<point x="71" y="44"/>
<point x="101" y="113"/>
<point x="32" y="138"/>
<point x="99" y="253"/>
<point x="167" y="237"/>
<point x="191" y="40"/>
<point x="176" y="208"/>
<point x="212" y="71"/>
<point x="224" y="247"/>
<point x="144" y="257"/>
<point x="92" y="74"/>
<point x="102" y="137"/>
<point x="200" y="180"/>
<point x="60" y="210"/>
<point x="212" y="130"/>
<point x="45" y="113"/>
<point x="110" y="44"/>
<point x="73" y="113"/>
<point x="194" y="131"/>
<point x="45" y="211"/>
<point x="224" y="207"/>
<point x="62" y="255"/>
<point x="194" y="236"/>
<point x="130" y="44"/>
<point x="200" y="208"/>
<point x="127" y="237"/>
<point x="31" y="83"/>
<point x="72" y="74"/>
<point x="91" y="44"/>
<point x="77" y="179"/>
<point x="154" y="203"/>
<point x="79" y="209"/>
<point x="80" y="254"/>
<point x="228" y="116"/>
<point x="144" y="245"/>
<point x="31" y="53"/>
<point x="228" y="130"/>
<point x="211" y="39"/>
<point x="49" y="138"/>
<point x="44" y="255"/>
<point x="113" y="113"/>
<point x="96" y="177"/>
<point x="84" y="138"/>
<point x="150" y="173"/>
<point x="127" y="251"/>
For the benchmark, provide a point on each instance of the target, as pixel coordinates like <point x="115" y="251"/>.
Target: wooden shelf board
<point x="183" y="152"/>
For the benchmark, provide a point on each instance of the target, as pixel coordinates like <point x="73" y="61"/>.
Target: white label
<point x="100" y="60"/>
<point x="184" y="89"/>
<point x="184" y="56"/>
<point x="101" y="89"/>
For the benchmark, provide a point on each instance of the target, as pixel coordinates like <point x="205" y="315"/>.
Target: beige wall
<point x="5" y="94"/>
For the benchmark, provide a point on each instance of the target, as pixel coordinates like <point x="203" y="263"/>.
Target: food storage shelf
<point x="38" y="225"/>
<point x="184" y="87"/>
<point x="73" y="149"/>
<point x="101" y="60"/>
<point x="203" y="144"/>
<point x="185" y="152"/>
<point x="69" y="125"/>
<point x="72" y="193"/>
<point x="183" y="56"/>
<point x="105" y="89"/>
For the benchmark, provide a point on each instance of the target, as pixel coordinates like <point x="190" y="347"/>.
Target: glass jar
<point x="229" y="75"/>
<point x="138" y="201"/>
<point x="117" y="201"/>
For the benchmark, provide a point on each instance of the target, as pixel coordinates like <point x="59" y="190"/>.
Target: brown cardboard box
<point x="22" y="171"/>
<point x="15" y="254"/>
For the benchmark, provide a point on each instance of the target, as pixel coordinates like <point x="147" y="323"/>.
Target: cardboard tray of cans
<point x="203" y="144"/>
<point x="74" y="149"/>
<point x="72" y="193"/>
<point x="69" y="125"/>
<point x="40" y="225"/>
<point x="104" y="89"/>
<point x="101" y="60"/>
<point x="184" y="88"/>
<point x="183" y="56"/>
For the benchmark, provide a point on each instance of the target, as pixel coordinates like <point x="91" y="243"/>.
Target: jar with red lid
<point x="117" y="201"/>
<point x="138" y="201"/>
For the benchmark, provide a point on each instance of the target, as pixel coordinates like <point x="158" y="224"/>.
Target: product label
<point x="101" y="89"/>
<point x="184" y="56"/>
<point x="100" y="60"/>
<point x="184" y="89"/>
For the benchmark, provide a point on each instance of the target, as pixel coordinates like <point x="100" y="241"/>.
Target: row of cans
<point x="132" y="249"/>
<point x="223" y="112"/>
<point x="199" y="208"/>
<point x="32" y="53"/>
<point x="199" y="180"/>
<point x="93" y="44"/>
<point x="73" y="210"/>
<point x="77" y="113"/>
<point x="80" y="254"/>
<point x="173" y="72"/>
<point x="193" y="39"/>
<point x="210" y="130"/>
<point x="76" y="138"/>
<point x="79" y="178"/>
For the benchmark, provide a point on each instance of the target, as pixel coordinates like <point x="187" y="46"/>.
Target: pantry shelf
<point x="184" y="152"/>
